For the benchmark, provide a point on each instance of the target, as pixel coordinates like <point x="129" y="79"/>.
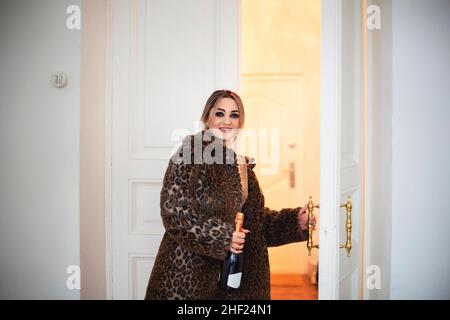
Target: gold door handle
<point x="348" y="226"/>
<point x="310" y="243"/>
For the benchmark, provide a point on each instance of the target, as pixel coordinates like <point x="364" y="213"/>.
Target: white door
<point x="341" y="148"/>
<point x="165" y="58"/>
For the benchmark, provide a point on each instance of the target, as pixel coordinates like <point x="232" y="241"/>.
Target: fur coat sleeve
<point x="182" y="216"/>
<point x="280" y="227"/>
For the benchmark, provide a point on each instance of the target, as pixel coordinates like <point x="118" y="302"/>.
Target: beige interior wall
<point x="283" y="37"/>
<point x="92" y="162"/>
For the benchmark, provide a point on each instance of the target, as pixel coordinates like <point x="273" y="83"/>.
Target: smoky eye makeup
<point x="234" y="115"/>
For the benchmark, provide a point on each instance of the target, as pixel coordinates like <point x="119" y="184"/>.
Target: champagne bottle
<point x="231" y="273"/>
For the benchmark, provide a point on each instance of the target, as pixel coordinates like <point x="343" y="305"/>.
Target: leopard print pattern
<point x="198" y="207"/>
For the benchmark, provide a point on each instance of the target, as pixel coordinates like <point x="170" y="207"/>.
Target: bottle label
<point x="234" y="280"/>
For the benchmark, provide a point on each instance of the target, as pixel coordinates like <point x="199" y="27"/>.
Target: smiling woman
<point x="224" y="114"/>
<point x="199" y="203"/>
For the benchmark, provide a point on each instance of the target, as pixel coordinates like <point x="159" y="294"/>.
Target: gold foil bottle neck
<point x="239" y="221"/>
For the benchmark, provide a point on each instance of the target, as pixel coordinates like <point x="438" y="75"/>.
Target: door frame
<point x="330" y="88"/>
<point x="330" y="119"/>
<point x="109" y="70"/>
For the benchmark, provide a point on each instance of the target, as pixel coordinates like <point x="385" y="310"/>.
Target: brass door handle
<point x="348" y="226"/>
<point x="310" y="243"/>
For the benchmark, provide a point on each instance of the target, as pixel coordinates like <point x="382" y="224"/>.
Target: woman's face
<point x="224" y="121"/>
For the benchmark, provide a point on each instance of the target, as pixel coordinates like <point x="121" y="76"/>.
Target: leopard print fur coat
<point x="199" y="201"/>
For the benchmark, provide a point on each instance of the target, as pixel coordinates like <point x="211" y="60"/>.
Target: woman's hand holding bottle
<point x="237" y="241"/>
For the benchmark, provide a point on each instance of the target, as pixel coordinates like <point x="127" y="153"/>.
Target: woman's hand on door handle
<point x="303" y="218"/>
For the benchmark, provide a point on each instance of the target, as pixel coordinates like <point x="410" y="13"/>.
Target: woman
<point x="205" y="185"/>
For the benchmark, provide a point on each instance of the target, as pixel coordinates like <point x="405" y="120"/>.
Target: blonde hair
<point x="212" y="101"/>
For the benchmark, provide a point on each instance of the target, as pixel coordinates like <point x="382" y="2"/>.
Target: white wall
<point x="420" y="255"/>
<point x="39" y="150"/>
<point x="408" y="113"/>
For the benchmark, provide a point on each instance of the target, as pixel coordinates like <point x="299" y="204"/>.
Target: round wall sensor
<point x="59" y="80"/>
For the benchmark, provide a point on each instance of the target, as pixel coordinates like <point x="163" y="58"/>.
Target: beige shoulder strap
<point x="244" y="178"/>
